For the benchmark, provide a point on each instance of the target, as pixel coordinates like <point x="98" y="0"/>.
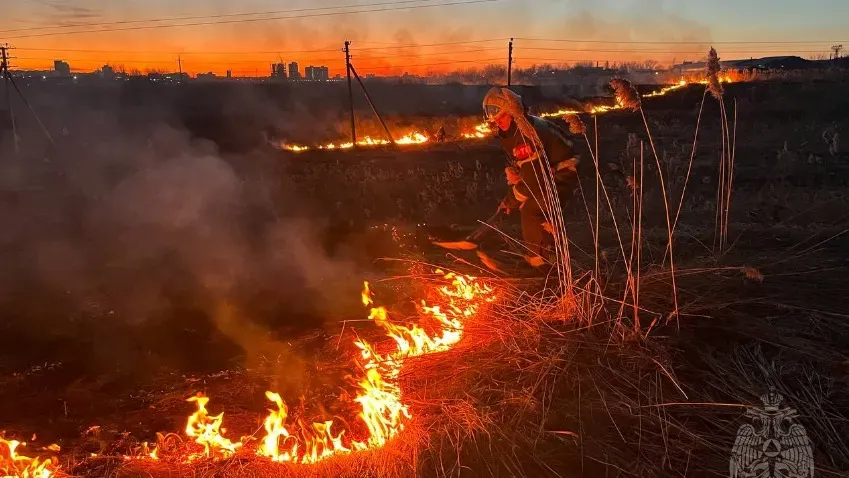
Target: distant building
<point x="316" y="73"/>
<point x="278" y="71"/>
<point x="323" y="73"/>
<point x="229" y="74"/>
<point x="107" y="72"/>
<point x="294" y="73"/>
<point x="62" y="68"/>
<point x="766" y="63"/>
<point x="206" y="76"/>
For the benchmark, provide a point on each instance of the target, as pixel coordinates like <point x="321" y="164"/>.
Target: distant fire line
<point x="482" y="130"/>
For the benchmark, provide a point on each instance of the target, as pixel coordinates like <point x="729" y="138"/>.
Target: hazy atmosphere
<point x="215" y="35"/>
<point x="502" y="238"/>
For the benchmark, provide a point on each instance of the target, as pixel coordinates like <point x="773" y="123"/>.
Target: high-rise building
<point x="316" y="73"/>
<point x="229" y="74"/>
<point x="294" y="73"/>
<point x="62" y="68"/>
<point x="278" y="71"/>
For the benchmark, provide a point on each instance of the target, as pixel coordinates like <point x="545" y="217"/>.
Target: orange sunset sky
<point x="141" y="34"/>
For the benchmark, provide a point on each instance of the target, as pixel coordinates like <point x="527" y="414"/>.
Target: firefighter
<point x="516" y="130"/>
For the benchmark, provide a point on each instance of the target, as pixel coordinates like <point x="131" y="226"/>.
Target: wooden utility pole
<point x="836" y="49"/>
<point x="510" y="63"/>
<point x="180" y="67"/>
<point x="371" y="103"/>
<point x="350" y="91"/>
<point x="4" y="69"/>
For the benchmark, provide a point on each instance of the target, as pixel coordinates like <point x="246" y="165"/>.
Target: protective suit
<point x="521" y="141"/>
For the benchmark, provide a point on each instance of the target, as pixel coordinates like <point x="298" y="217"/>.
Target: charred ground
<point x="118" y="302"/>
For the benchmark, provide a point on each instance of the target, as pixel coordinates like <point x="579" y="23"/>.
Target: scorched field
<point x="172" y="307"/>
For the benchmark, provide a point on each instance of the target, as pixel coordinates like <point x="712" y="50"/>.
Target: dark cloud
<point x="65" y="13"/>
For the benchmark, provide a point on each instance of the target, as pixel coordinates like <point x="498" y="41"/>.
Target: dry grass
<point x="546" y="387"/>
<point x="398" y="459"/>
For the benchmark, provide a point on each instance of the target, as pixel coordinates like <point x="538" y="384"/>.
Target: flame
<point x="19" y="466"/>
<point x="383" y="414"/>
<point x="412" y="138"/>
<point x="663" y="91"/>
<point x="275" y="430"/>
<point x="296" y="148"/>
<point x="206" y="430"/>
<point x="481" y="131"/>
<point x="380" y="397"/>
<point x="366" y="295"/>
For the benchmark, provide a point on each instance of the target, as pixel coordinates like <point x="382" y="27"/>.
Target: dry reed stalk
<point x="668" y="216"/>
<point x="731" y="153"/>
<point x="626" y="95"/>
<point x="689" y="168"/>
<point x="576" y="124"/>
<point x="713" y="68"/>
<point x="597" y="191"/>
<point x="724" y="183"/>
<point x="600" y="185"/>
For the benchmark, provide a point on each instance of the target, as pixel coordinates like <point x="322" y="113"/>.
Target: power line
<point x="250" y="20"/>
<point x="257" y="52"/>
<point x="249" y="62"/>
<point x="258" y="61"/>
<point x="267" y="52"/>
<point x="401" y="46"/>
<point x="705" y="42"/>
<point x="159" y="61"/>
<point x="205" y="17"/>
<point x="416" y="65"/>
<point x="413" y="45"/>
<point x="669" y="51"/>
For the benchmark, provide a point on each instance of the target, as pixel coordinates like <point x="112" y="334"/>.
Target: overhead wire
<point x="206" y="17"/>
<point x="680" y="42"/>
<point x="250" y="20"/>
<point x="663" y="51"/>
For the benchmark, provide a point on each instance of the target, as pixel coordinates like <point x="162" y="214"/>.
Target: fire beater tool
<point x="470" y="242"/>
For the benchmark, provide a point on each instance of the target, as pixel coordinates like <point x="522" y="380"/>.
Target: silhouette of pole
<point x="371" y="103"/>
<point x="4" y="69"/>
<point x="510" y="63"/>
<point x="350" y="91"/>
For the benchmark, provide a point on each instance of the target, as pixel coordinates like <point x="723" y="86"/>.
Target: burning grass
<point x="626" y="97"/>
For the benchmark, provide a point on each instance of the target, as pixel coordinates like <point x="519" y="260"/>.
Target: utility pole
<point x="510" y="63"/>
<point x="180" y="67"/>
<point x="836" y="49"/>
<point x="4" y="69"/>
<point x="350" y="91"/>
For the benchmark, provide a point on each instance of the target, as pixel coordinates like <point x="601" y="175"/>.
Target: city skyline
<point x="215" y="36"/>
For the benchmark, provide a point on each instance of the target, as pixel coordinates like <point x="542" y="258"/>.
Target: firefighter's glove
<point x="513" y="177"/>
<point x="505" y="207"/>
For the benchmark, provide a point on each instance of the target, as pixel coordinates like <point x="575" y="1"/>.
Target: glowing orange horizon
<point x="249" y="58"/>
